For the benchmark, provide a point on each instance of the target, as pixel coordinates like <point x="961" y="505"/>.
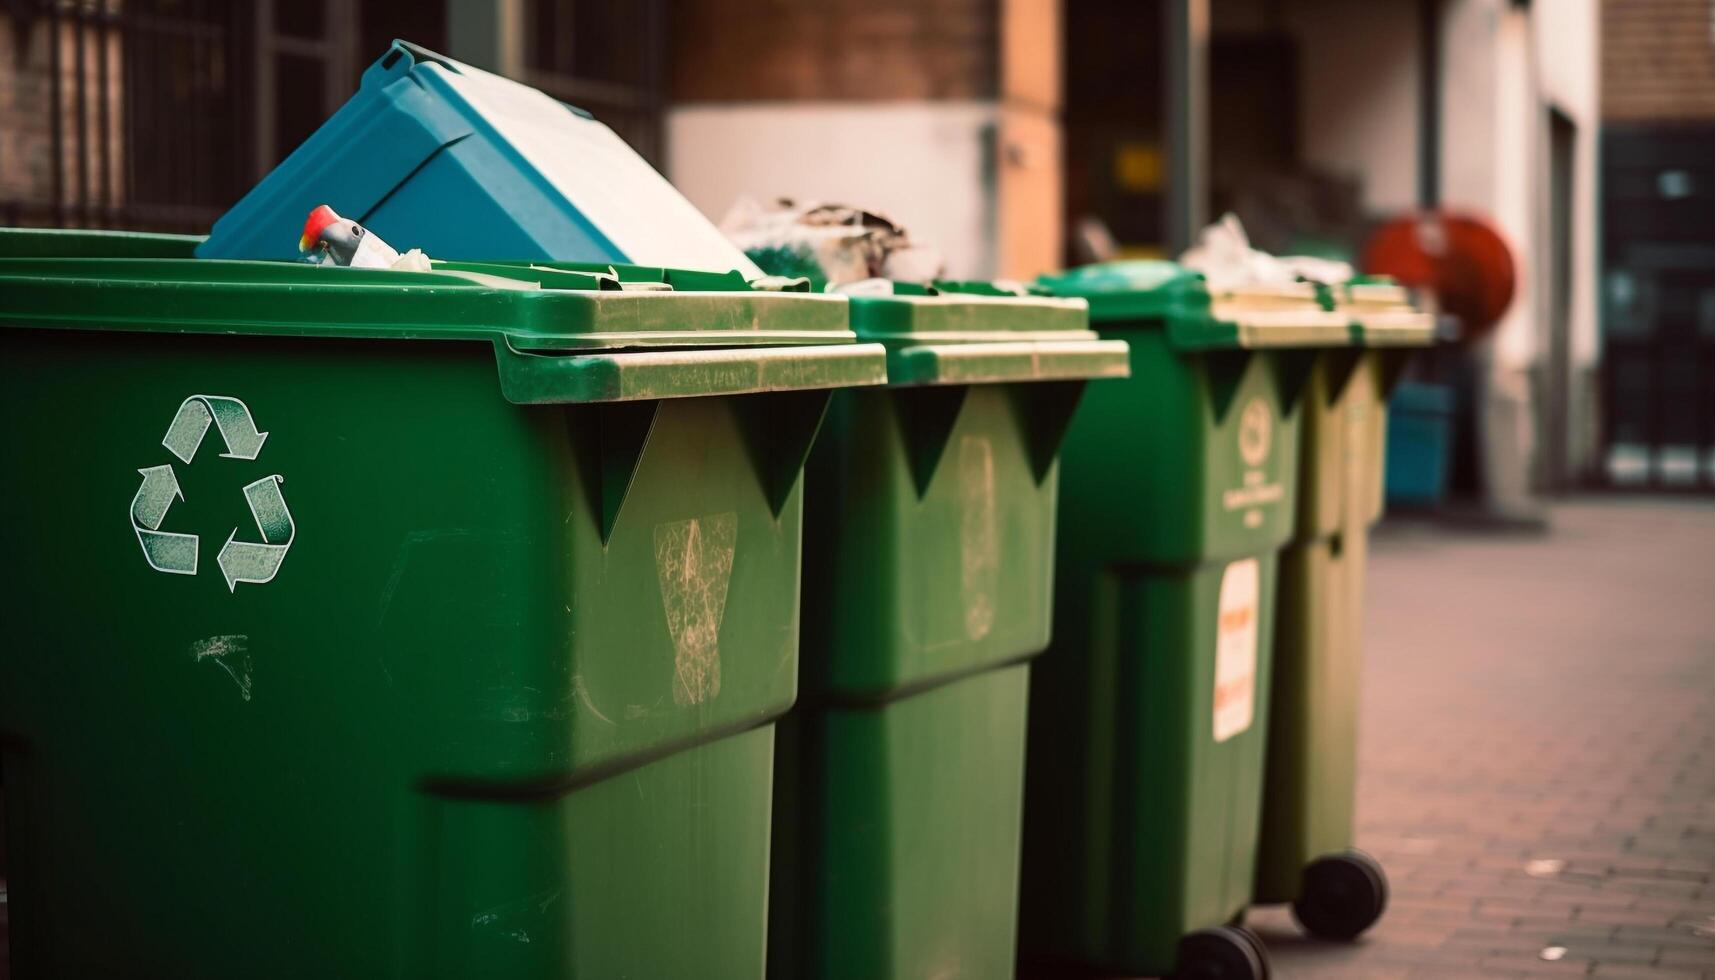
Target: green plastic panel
<point x="1260" y="329"/>
<point x="1149" y="714"/>
<point x="530" y="379"/>
<point x="1153" y="295"/>
<point x="1345" y="438"/>
<point x="928" y="566"/>
<point x="896" y="835"/>
<point x="531" y="309"/>
<point x="62" y="243"/>
<point x="1133" y="291"/>
<point x="1192" y="458"/>
<point x="1145" y="763"/>
<point x="929" y="563"/>
<point x="993" y="363"/>
<point x="932" y="537"/>
<point x="946" y="316"/>
<point x="1311" y="782"/>
<point x="404" y="679"/>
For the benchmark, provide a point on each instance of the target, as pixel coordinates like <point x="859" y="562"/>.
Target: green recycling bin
<point x="928" y="558"/>
<point x="1149" y="711"/>
<point x="1306" y="853"/>
<point x="445" y="629"/>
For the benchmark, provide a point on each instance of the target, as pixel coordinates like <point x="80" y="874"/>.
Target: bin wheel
<point x="1341" y="896"/>
<point x="1249" y="935"/>
<point x="1222" y="953"/>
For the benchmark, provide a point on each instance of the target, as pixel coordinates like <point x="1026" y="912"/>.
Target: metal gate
<point x="123" y="113"/>
<point x="1658" y="375"/>
<point x="158" y="114"/>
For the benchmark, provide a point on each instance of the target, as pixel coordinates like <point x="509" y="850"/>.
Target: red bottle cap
<point x="317" y="223"/>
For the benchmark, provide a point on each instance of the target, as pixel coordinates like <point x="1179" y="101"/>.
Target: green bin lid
<point x="1151" y="293"/>
<point x="983" y="332"/>
<point x="521" y="308"/>
<point x="1137" y="290"/>
<point x="533" y="307"/>
<point x="952" y="312"/>
<point x="1382" y="312"/>
<point x="20" y="243"/>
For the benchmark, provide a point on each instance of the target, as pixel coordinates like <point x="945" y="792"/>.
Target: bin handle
<point x="620" y="376"/>
<point x="996" y="363"/>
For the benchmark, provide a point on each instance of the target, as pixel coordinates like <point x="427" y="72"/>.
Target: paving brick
<point x="1664" y="936"/>
<point x="1629" y="971"/>
<point x="1500" y="727"/>
<point x="1688" y="957"/>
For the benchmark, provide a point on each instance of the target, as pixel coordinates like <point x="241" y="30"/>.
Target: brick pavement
<point x="1538" y="755"/>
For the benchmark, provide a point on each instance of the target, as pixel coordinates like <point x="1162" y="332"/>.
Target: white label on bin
<point x="1235" y="649"/>
<point x="693" y="565"/>
<point x="1256" y="432"/>
<point x="1255" y="443"/>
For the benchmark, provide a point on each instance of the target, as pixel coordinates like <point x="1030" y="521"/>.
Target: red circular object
<point x="1462" y="258"/>
<point x="314" y="225"/>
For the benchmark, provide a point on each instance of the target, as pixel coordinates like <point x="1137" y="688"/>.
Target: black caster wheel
<point x="1222" y="953"/>
<point x="1341" y="896"/>
<point x="1249" y="935"/>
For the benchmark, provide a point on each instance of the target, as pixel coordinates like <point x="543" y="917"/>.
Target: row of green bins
<point x="928" y="555"/>
<point x="1150" y="710"/>
<point x="1306" y="855"/>
<point x="493" y="695"/>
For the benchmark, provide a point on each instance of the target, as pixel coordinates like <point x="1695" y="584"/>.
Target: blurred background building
<point x="1658" y="242"/>
<point x="1020" y="135"/>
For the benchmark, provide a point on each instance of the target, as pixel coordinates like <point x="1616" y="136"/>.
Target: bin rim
<point x="978" y="332"/>
<point x="70" y="243"/>
<point x="1260" y="330"/>
<point x="1151" y="294"/>
<point x="1122" y="292"/>
<point x="1382" y="313"/>
<point x="1394" y="328"/>
<point x="532" y="306"/>
<point x="945" y="317"/>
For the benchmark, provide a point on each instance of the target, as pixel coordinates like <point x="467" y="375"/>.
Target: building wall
<point x="1504" y="67"/>
<point x="941" y="114"/>
<point x="1658" y="158"/>
<point x="159" y="116"/>
<point x="1469" y="68"/>
<point x="923" y="164"/>
<point x="1359" y="77"/>
<point x="27" y="162"/>
<point x="834" y="50"/>
<point x="1658" y="60"/>
<point x="1570" y="48"/>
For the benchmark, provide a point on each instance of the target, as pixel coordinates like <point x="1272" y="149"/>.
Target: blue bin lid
<point x="434" y="154"/>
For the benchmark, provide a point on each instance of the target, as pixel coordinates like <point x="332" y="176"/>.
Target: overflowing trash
<point x="833" y="244"/>
<point x="333" y="240"/>
<point x="1223" y="254"/>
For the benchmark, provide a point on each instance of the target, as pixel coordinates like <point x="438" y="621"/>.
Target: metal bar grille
<point x="140" y="128"/>
<point x="604" y="58"/>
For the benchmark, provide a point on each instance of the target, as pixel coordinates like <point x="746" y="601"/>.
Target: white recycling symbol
<point x="175" y="553"/>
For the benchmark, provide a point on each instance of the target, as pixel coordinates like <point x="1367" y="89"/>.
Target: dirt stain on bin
<point x="231" y="653"/>
<point x="979" y="544"/>
<point x="693" y="564"/>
